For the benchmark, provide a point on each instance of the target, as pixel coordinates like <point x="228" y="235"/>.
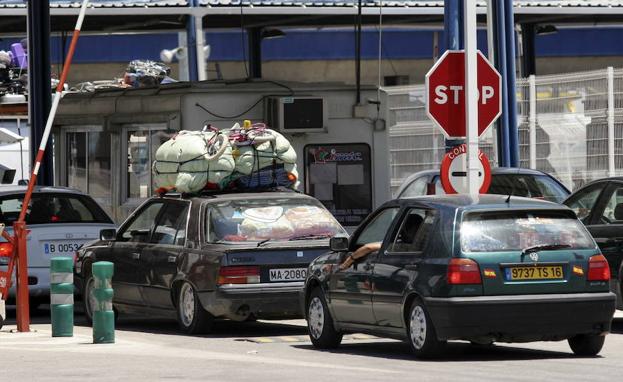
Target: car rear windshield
<point x="270" y="219"/>
<point x="519" y="230"/>
<point x="53" y="209"/>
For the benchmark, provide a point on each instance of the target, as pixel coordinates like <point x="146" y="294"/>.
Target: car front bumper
<point x="521" y="318"/>
<point x="266" y="300"/>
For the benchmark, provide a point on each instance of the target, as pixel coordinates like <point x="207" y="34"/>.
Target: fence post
<point x="103" y="314"/>
<point x="532" y="120"/>
<point x="611" y="137"/>
<point x="62" y="296"/>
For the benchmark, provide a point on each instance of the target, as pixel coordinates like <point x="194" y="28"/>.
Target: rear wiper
<point x="259" y="243"/>
<point x="308" y="237"/>
<point x="545" y="247"/>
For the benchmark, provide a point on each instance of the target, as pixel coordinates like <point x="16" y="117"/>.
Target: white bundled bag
<point x="266" y="148"/>
<point x="191" y="159"/>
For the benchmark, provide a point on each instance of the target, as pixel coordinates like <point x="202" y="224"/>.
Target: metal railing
<point x="570" y="125"/>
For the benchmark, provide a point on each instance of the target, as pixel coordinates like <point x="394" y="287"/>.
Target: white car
<point x="60" y="221"/>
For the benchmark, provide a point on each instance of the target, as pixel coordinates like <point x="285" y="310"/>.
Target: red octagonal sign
<point x="445" y="93"/>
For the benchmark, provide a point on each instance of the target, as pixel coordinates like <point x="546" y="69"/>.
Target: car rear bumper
<point x="521" y="318"/>
<point x="267" y="300"/>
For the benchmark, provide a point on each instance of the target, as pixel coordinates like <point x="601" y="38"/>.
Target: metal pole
<point x="490" y="32"/>
<point x="611" y="137"/>
<point x="39" y="80"/>
<point x="471" y="95"/>
<point x="500" y="64"/>
<point x="513" y="133"/>
<point x="358" y="54"/>
<point x="255" y="51"/>
<point x="532" y="120"/>
<point x="201" y="56"/>
<point x="453" y="33"/>
<point x="191" y="45"/>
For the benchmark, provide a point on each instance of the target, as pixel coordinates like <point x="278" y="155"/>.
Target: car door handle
<point x="172" y="259"/>
<point x="411" y="267"/>
<point x="136" y="255"/>
<point x="367" y="266"/>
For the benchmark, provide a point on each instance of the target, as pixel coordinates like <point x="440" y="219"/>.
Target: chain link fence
<point x="570" y="125"/>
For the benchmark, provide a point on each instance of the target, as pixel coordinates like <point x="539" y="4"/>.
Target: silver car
<point x="60" y="221"/>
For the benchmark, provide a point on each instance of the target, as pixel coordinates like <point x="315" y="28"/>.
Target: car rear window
<point x="269" y="219"/>
<point x="52" y="209"/>
<point x="518" y="230"/>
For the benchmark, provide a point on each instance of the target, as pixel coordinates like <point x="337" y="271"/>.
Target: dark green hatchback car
<point x="456" y="268"/>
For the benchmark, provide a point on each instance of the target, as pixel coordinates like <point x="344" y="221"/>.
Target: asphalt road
<point x="280" y="351"/>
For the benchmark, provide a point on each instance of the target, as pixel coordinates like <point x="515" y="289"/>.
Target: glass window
<point x="518" y="230"/>
<point x="138" y="230"/>
<point x="171" y="228"/>
<point x="613" y="211"/>
<point x="377" y="228"/>
<point x="99" y="174"/>
<point x="142" y="147"/>
<point x="270" y="219"/>
<point x="530" y="186"/>
<point x="77" y="161"/>
<point x="416" y="188"/>
<point x="340" y="176"/>
<point x="584" y="201"/>
<point x="53" y="208"/>
<point x="414" y="231"/>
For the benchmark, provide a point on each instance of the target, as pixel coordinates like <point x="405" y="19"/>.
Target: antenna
<point x="513" y="186"/>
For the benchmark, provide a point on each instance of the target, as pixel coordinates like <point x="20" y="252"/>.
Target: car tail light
<point x="6" y="249"/>
<point x="598" y="268"/>
<point x="463" y="271"/>
<point x="238" y="275"/>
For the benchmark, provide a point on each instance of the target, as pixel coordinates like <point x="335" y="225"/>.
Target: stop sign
<point x="445" y="93"/>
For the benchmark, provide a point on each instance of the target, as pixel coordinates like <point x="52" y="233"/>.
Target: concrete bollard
<point x="62" y="296"/>
<point x="103" y="314"/>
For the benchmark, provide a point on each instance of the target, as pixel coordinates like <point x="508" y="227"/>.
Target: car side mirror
<point x="338" y="244"/>
<point x="108" y="234"/>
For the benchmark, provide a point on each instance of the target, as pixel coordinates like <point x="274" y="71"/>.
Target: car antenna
<point x="508" y="200"/>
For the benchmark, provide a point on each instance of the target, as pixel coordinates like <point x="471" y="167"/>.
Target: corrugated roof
<point x="307" y="3"/>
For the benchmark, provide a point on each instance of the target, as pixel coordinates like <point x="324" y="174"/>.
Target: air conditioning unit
<point x="297" y="114"/>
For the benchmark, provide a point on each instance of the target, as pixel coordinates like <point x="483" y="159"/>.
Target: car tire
<point x="191" y="316"/>
<point x="421" y="332"/>
<point x="587" y="345"/>
<point x="88" y="301"/>
<point x="320" y="323"/>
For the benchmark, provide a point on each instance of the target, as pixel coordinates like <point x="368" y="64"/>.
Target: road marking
<point x="293" y="339"/>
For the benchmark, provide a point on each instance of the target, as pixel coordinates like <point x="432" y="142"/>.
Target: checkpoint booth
<point x="105" y="142"/>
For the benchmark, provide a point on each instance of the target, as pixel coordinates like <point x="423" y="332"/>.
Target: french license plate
<point x="53" y="248"/>
<point x="288" y="274"/>
<point x="550" y="272"/>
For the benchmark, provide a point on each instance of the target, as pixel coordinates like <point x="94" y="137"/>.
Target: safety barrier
<point x="62" y="296"/>
<point x="103" y="314"/>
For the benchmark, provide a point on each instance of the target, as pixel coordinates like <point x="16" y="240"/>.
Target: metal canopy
<point x="110" y="16"/>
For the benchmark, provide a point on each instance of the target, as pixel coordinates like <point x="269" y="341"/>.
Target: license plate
<point x="550" y="272"/>
<point x="288" y="274"/>
<point x="54" y="248"/>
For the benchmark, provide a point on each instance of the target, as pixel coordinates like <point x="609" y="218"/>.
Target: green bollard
<point x="103" y="314"/>
<point x="62" y="296"/>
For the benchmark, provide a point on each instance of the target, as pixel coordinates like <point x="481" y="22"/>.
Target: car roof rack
<point x="215" y="193"/>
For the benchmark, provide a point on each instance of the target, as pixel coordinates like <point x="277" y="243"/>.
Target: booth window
<point x="88" y="164"/>
<point x="142" y="144"/>
<point x="340" y="176"/>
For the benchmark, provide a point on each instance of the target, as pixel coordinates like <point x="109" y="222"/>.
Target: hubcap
<point x="187" y="305"/>
<point x="315" y="319"/>
<point x="417" y="327"/>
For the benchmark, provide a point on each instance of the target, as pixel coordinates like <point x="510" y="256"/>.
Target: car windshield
<point x="521" y="230"/>
<point x="280" y="219"/>
<point x="53" y="209"/>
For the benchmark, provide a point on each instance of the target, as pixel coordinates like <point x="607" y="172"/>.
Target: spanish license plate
<point x="288" y="274"/>
<point x="55" y="248"/>
<point x="550" y="272"/>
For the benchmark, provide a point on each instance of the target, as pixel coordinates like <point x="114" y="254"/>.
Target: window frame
<point x="590" y="218"/>
<point x="167" y="204"/>
<point x="398" y="227"/>
<point x="352" y="245"/>
<point x="132" y="218"/>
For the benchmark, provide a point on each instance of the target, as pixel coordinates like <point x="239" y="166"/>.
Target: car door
<point x="350" y="289"/>
<point x="161" y="255"/>
<point x="606" y="227"/>
<point x="126" y="253"/>
<point x="399" y="263"/>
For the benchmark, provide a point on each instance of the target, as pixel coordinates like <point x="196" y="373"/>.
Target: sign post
<point x="471" y="95"/>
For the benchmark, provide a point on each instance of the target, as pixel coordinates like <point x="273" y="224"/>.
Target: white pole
<point x="611" y="168"/>
<point x="471" y="96"/>
<point x="201" y="57"/>
<point x="490" y="32"/>
<point x="182" y="61"/>
<point x="532" y="120"/>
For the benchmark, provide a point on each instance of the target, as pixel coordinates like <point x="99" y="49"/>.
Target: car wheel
<point x="421" y="332"/>
<point x="191" y="316"/>
<point x="87" y="299"/>
<point x="586" y="344"/>
<point x="320" y="323"/>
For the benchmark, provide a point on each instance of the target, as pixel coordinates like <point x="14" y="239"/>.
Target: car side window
<point x="416" y="188"/>
<point x="584" y="201"/>
<point x="376" y="229"/>
<point x="414" y="231"/>
<point x="139" y="228"/>
<point x="171" y="227"/>
<point x="613" y="211"/>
